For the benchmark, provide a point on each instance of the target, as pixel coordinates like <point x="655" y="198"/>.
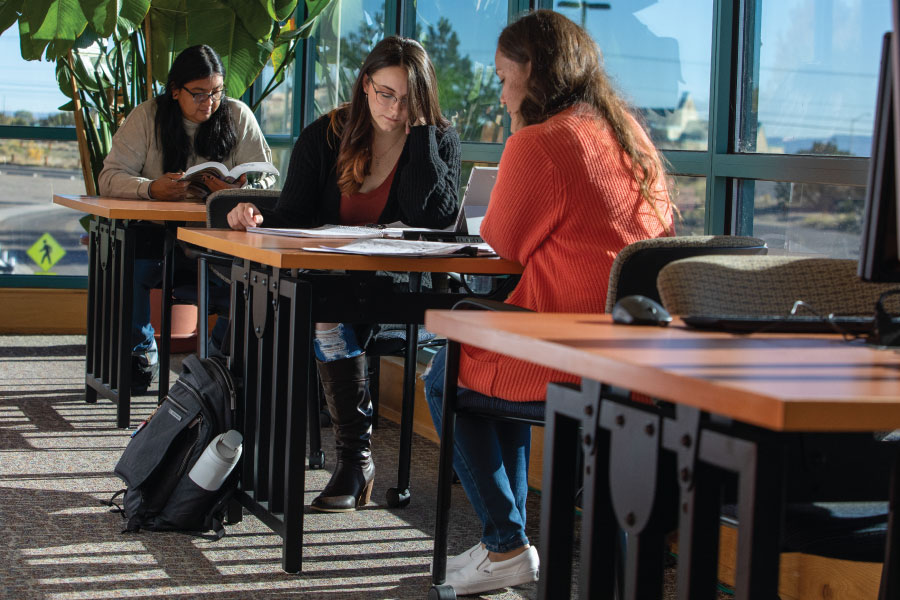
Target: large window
<point x="807" y="87"/>
<point x="763" y="108"/>
<point x="461" y="37"/>
<point x="346" y="33"/>
<point x="659" y="60"/>
<point x="37" y="159"/>
<point x="813" y="72"/>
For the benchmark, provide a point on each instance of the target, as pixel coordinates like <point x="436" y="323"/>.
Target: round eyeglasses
<point x="201" y="97"/>
<point x="386" y="99"/>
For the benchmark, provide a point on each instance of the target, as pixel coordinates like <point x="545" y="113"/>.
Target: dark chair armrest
<point x="485" y="304"/>
<point x="220" y="203"/>
<point x="194" y="253"/>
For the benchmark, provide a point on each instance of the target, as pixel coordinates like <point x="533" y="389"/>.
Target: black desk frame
<point x="273" y="313"/>
<point x="111" y="251"/>
<point x="621" y="439"/>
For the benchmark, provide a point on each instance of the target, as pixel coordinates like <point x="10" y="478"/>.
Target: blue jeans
<point x="147" y="276"/>
<point x="491" y="460"/>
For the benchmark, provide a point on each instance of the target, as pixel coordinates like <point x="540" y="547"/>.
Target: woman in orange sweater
<point x="578" y="181"/>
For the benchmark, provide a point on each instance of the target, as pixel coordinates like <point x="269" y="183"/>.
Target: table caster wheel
<point x="397" y="499"/>
<point x="317" y="460"/>
<point x="441" y="592"/>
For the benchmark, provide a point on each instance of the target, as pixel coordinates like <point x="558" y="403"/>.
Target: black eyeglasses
<point x="386" y="99"/>
<point x="201" y="97"/>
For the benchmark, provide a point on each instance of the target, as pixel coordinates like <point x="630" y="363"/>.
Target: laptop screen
<point x="475" y="199"/>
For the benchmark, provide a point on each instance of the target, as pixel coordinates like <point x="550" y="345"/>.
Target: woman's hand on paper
<point x="168" y="187"/>
<point x="244" y="216"/>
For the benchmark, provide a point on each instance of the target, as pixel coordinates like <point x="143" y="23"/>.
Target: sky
<point x="809" y="86"/>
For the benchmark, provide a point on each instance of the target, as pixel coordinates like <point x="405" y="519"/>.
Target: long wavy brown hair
<point x="352" y="122"/>
<point x="566" y="71"/>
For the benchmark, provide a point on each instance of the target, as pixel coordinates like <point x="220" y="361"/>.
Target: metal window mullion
<point x="721" y="113"/>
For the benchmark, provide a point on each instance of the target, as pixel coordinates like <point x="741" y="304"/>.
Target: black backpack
<point x="155" y="465"/>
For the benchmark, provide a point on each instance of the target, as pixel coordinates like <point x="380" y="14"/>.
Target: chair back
<point x="636" y="266"/>
<point x="220" y="203"/>
<point x="750" y="286"/>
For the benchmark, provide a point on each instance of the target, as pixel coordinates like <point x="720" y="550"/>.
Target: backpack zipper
<point x="203" y="403"/>
<point x="190" y="451"/>
<point x="226" y="377"/>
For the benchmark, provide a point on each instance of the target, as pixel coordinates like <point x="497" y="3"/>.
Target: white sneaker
<point x="475" y="553"/>
<point x="476" y="577"/>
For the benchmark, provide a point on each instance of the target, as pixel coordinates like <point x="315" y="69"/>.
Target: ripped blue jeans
<point x="491" y="460"/>
<point x="336" y="343"/>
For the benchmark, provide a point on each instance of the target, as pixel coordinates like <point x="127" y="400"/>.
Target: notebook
<point x="475" y="199"/>
<point x="782" y="324"/>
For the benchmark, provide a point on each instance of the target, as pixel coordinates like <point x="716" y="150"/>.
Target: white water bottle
<point x="217" y="461"/>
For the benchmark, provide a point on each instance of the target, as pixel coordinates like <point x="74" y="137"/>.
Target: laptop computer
<point x="472" y="209"/>
<point x="475" y="199"/>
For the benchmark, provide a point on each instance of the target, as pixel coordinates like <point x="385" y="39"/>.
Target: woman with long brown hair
<point x="387" y="155"/>
<point x="578" y="181"/>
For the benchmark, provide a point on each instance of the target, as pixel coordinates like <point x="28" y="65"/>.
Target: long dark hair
<point x="566" y="71"/>
<point x="352" y="122"/>
<point x="215" y="137"/>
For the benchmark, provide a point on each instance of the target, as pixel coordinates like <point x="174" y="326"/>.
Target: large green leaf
<point x="314" y="10"/>
<point x="242" y="55"/>
<point x="60" y="20"/>
<point x="101" y="15"/>
<point x="280" y="9"/>
<point x="9" y="13"/>
<point x="32" y="49"/>
<point x="256" y="21"/>
<point x="168" y="34"/>
<point x="134" y="11"/>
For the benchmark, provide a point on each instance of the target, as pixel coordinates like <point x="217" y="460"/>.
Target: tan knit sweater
<point x="564" y="204"/>
<point x="135" y="158"/>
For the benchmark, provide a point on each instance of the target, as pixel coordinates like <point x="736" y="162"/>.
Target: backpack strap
<point x="112" y="503"/>
<point x="195" y="367"/>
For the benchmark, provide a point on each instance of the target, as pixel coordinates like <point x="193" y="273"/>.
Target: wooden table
<point x="279" y="292"/>
<point x="110" y="277"/>
<point x="738" y="400"/>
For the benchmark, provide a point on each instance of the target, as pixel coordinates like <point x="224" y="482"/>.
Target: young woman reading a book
<point x="191" y="123"/>
<point x="578" y="181"/>
<point x="386" y="155"/>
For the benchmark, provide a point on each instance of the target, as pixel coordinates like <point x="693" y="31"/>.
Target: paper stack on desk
<point x="394" y="247"/>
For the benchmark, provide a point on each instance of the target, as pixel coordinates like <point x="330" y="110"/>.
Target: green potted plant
<point x="111" y="55"/>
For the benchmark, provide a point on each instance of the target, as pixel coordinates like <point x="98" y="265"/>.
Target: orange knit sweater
<point x="564" y="204"/>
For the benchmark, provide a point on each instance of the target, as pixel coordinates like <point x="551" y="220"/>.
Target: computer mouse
<point x="640" y="310"/>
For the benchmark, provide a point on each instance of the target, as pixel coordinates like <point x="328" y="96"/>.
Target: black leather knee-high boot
<point x="346" y="392"/>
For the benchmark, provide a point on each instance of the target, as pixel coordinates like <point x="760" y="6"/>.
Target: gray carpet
<point x="58" y="542"/>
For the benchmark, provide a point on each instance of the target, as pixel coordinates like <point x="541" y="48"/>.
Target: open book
<point x="395" y="247"/>
<point x="346" y="231"/>
<point x="216" y="169"/>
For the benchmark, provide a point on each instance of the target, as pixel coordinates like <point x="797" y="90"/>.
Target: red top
<point x="565" y="203"/>
<point x="364" y="208"/>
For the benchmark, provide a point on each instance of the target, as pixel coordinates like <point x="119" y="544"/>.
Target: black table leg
<point x="561" y="444"/>
<point x="91" y="342"/>
<point x="760" y="468"/>
<point x="445" y="469"/>
<point x="165" y="326"/>
<point x="890" y="574"/>
<point x="399" y="496"/>
<point x="297" y="384"/>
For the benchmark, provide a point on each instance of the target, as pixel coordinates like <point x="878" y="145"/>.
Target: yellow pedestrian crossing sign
<point x="46" y="252"/>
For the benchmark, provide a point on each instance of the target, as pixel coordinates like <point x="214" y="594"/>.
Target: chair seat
<point x="469" y="400"/>
<point x="390" y="341"/>
<point x="843" y="530"/>
<point x="219" y="297"/>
